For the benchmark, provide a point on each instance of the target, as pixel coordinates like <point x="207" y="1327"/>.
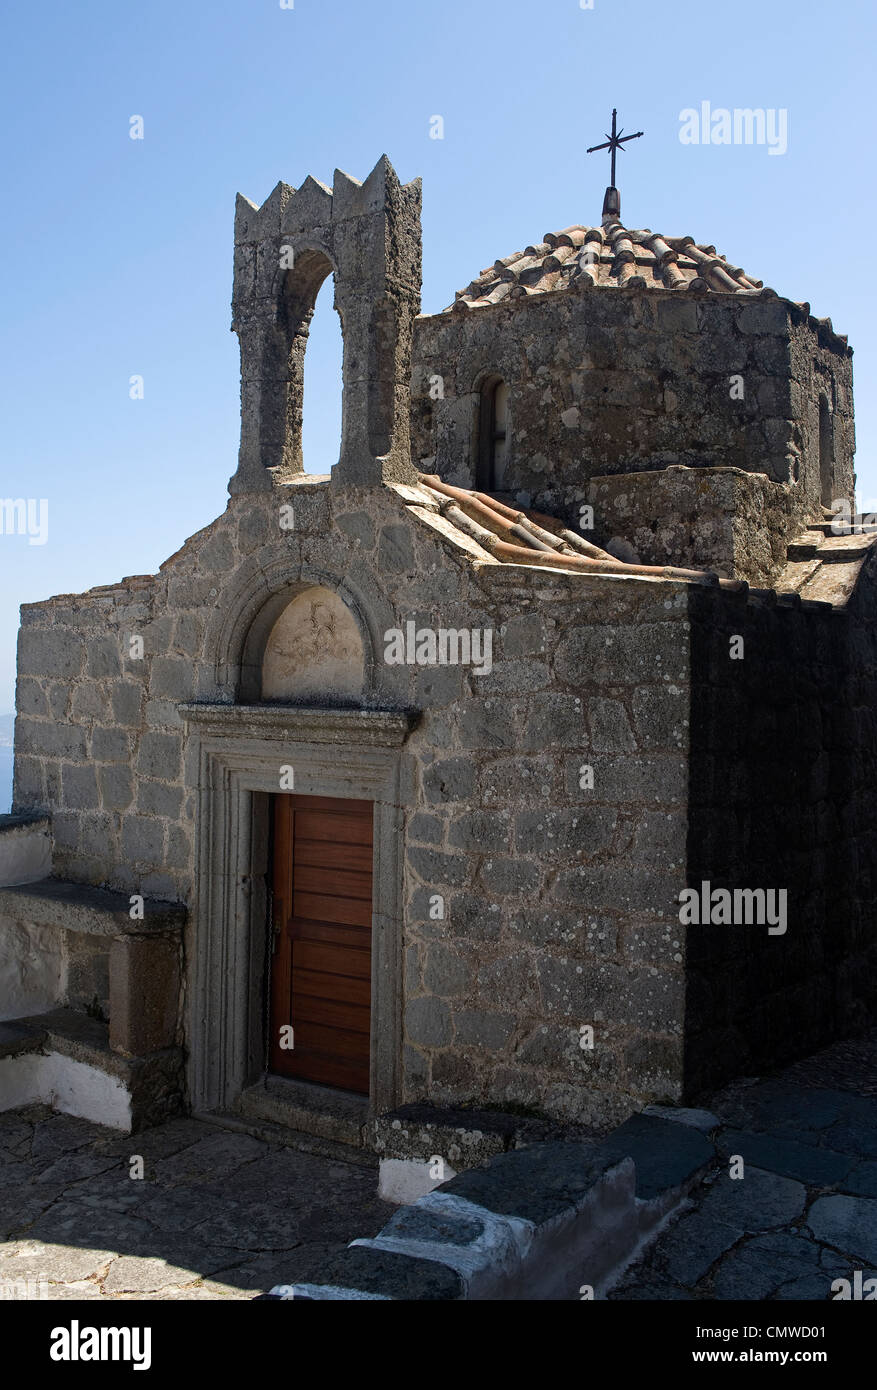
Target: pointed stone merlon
<point x="368" y="235"/>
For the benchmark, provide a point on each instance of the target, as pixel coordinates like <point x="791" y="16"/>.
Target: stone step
<point x="307" y="1108"/>
<point x="19" y="1036"/>
<point x="290" y="1138"/>
<point x="124" y="1092"/>
<point x="804" y="547"/>
<point x="77" y="907"/>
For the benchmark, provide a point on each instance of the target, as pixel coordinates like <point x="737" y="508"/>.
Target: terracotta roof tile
<point x="608" y="257"/>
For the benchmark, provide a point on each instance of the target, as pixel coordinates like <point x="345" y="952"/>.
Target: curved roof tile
<point x="611" y="255"/>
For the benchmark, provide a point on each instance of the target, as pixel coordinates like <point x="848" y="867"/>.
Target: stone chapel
<point x="525" y="762"/>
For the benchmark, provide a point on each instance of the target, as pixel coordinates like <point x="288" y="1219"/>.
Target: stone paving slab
<point x="804" y="1213"/>
<point x="216" y="1215"/>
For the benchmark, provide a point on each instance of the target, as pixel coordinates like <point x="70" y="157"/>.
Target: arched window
<point x="303" y="282"/>
<point x="321" y="413"/>
<point x="493" y="435"/>
<point x="826" y="452"/>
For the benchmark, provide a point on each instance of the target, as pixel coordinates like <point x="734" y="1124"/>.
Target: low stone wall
<point x="736" y="523"/>
<point x="551" y="1221"/>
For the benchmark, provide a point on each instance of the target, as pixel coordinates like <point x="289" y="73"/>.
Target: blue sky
<point x="117" y="253"/>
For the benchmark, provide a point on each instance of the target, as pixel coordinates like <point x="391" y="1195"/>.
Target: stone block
<point x="426" y="829"/>
<point x="395" y="552"/>
<point x="358" y="526"/>
<point x="515" y="677"/>
<point x="510" y="781"/>
<point x="433" y="866"/>
<point x="160" y="756"/>
<point x="30" y="699"/>
<point x="481" y="831"/>
<point x="488" y="723"/>
<point x="428" y="1022"/>
<point x="474" y="916"/>
<point x="524" y="635"/>
<point x="116" y="787"/>
<point x="517" y="876"/>
<point x="171" y="679"/>
<point x="610" y="727"/>
<point x="55" y="651"/>
<point x="110" y="745"/>
<point x="547" y="720"/>
<point x="49" y="740"/>
<point x="446" y="973"/>
<point x="661" y="715"/>
<point x="142" y="839"/>
<point x="158" y="799"/>
<point x="450" y="779"/>
<point x="103" y="657"/>
<point x="144" y="993"/>
<point x="585" y="830"/>
<point x="126" y="697"/>
<point x="80" y="789"/>
<point x="478" y="1028"/>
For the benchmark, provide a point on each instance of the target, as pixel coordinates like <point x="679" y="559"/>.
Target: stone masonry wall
<point x="783" y="760"/>
<point x="558" y="903"/>
<point x="558" y="900"/>
<point x="737" y="524"/>
<point x="616" y="381"/>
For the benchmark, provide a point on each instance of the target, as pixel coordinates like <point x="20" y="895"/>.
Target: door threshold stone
<point x="288" y="1138"/>
<point x="308" y="1108"/>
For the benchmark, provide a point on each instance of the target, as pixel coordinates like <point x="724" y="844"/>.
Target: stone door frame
<point x="237" y="752"/>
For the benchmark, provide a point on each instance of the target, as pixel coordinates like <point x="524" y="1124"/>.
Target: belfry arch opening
<point x="323" y="379"/>
<point x="314" y="365"/>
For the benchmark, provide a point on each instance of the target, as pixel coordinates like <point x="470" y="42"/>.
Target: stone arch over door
<point x="247" y="610"/>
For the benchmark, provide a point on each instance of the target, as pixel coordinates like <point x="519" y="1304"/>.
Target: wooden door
<point x="322" y="916"/>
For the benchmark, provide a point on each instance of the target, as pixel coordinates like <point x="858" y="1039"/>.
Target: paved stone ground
<point x="220" y="1215"/>
<point x="805" y="1212"/>
<point x="217" y="1215"/>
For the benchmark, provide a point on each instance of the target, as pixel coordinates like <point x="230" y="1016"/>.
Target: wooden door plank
<point x="354" y="1018"/>
<point x="340" y="829"/>
<point x="319" y="984"/>
<point x="339" y="934"/>
<point x="330" y="1042"/>
<point x="340" y="883"/>
<point x="351" y="912"/>
<point x="323" y="854"/>
<point x="333" y="960"/>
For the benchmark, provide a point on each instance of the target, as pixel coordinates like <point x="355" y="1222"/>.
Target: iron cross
<point x="615" y="142"/>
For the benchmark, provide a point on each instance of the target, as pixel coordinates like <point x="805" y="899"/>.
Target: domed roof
<point x="609" y="256"/>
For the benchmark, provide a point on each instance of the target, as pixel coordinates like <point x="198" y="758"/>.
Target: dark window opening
<point x="826" y="453"/>
<point x="493" y="435"/>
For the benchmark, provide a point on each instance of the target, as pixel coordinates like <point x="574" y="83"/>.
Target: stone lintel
<point x="304" y="724"/>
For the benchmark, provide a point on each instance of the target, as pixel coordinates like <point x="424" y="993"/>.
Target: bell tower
<point x="368" y="236"/>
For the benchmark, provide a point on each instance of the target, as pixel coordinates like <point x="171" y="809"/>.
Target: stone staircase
<point x="822" y="566"/>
